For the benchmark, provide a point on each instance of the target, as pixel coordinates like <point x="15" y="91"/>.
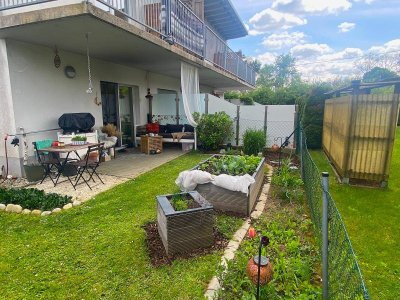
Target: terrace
<point x="169" y="20"/>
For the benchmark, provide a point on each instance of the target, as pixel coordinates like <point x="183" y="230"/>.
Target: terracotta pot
<point x="266" y="271"/>
<point x="275" y="148"/>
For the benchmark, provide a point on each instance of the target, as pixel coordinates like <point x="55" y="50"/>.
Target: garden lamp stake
<point x="259" y="268"/>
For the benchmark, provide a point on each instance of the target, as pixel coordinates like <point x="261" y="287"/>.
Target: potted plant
<point x="78" y="140"/>
<point x="33" y="170"/>
<point x="111" y="130"/>
<point x="112" y="136"/>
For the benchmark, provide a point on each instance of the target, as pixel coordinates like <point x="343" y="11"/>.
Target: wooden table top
<point x="67" y="148"/>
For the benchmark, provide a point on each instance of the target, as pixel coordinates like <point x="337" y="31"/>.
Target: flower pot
<point x="69" y="170"/>
<point x="266" y="271"/>
<point x="33" y="173"/>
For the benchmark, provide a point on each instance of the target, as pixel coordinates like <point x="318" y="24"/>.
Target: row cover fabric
<point x="188" y="180"/>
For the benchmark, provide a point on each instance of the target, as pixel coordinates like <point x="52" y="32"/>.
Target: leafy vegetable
<point x="231" y="164"/>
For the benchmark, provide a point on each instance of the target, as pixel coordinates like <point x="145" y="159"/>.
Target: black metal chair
<point x="88" y="165"/>
<point x="48" y="161"/>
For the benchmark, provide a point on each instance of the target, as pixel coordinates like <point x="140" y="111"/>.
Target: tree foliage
<point x="378" y="74"/>
<point x="313" y="115"/>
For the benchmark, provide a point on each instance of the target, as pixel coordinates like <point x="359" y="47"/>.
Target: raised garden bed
<point x="230" y="201"/>
<point x="185" y="222"/>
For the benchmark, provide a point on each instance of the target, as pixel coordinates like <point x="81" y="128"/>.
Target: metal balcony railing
<point x="174" y="22"/>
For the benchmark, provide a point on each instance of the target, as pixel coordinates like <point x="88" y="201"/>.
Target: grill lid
<point x="76" y="122"/>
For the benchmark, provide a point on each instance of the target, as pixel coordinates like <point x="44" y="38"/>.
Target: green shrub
<point x="214" y="129"/>
<point x="254" y="141"/>
<point x="314" y="116"/>
<point x="32" y="198"/>
<point x="246" y="100"/>
<point x="232" y="95"/>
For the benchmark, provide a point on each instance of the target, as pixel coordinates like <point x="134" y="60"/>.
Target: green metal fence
<point x="345" y="278"/>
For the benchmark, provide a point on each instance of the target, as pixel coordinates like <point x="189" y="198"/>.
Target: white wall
<point x="7" y="122"/>
<point x="41" y="93"/>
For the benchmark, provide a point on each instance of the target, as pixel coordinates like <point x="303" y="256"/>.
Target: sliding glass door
<point x="120" y="106"/>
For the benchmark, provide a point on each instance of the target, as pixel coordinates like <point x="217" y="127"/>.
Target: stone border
<point x="15" y="208"/>
<point x="237" y="238"/>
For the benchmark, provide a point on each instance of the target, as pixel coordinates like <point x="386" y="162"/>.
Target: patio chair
<point x="89" y="165"/>
<point x="49" y="162"/>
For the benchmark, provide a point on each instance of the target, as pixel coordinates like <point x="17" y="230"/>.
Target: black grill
<point x="76" y="122"/>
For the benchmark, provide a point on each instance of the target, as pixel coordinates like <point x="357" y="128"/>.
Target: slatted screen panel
<point x="359" y="133"/>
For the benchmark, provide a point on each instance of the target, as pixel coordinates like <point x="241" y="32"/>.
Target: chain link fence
<point x="345" y="278"/>
<point x="276" y="131"/>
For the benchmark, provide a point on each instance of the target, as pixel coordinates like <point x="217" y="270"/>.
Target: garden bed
<point x="30" y="200"/>
<point x="185" y="222"/>
<point x="158" y="255"/>
<point x="232" y="201"/>
<point x="292" y="250"/>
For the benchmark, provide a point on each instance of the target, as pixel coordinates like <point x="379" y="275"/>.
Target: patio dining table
<point x="67" y="150"/>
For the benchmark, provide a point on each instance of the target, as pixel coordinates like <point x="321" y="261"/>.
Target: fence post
<point x="177" y="109"/>
<point x="296" y="129"/>
<point x="325" y="206"/>
<point x="237" y="124"/>
<point x="266" y="121"/>
<point x="301" y="153"/>
<point x="204" y="40"/>
<point x="206" y="104"/>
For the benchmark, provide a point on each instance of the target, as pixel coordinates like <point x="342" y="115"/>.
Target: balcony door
<point x="120" y="104"/>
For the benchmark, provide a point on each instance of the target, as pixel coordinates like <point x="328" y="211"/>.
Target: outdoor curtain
<point x="190" y="94"/>
<point x="190" y="91"/>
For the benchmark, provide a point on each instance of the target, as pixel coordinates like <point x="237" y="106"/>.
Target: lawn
<point x="97" y="251"/>
<point x="372" y="218"/>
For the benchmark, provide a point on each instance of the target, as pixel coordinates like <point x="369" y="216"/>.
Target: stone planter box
<point x="184" y="231"/>
<point x="230" y="201"/>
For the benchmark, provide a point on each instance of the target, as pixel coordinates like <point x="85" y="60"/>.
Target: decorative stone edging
<point x="14" y="208"/>
<point x="237" y="238"/>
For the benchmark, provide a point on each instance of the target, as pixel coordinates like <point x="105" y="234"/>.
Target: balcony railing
<point x="174" y="22"/>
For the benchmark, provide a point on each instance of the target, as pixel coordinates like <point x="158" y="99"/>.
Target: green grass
<point x="97" y="251"/>
<point x="372" y="218"/>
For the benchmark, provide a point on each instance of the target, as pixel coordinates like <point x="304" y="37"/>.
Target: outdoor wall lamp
<point x="70" y="72"/>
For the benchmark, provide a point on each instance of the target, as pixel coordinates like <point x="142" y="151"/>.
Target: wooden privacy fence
<point x="358" y="135"/>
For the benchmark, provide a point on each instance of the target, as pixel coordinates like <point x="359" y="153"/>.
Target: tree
<point x="285" y="70"/>
<point x="266" y="77"/>
<point x="378" y="74"/>
<point x="255" y="64"/>
<point x="390" y="61"/>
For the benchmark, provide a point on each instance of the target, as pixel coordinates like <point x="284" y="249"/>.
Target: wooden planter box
<point x="184" y="231"/>
<point x="230" y="201"/>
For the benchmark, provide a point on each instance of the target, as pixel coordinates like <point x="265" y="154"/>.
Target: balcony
<point x="172" y="21"/>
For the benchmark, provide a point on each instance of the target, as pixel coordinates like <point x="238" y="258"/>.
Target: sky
<point x="325" y="36"/>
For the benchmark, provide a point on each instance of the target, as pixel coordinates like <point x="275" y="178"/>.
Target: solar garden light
<point x="259" y="268"/>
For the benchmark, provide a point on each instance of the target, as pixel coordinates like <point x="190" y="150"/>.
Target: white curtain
<point x="190" y="94"/>
<point x="190" y="91"/>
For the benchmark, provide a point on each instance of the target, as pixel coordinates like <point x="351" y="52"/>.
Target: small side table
<point x="148" y="143"/>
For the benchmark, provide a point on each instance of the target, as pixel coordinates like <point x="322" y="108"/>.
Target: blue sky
<point x="325" y="36"/>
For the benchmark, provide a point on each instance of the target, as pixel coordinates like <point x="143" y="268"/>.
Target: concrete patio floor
<point x="126" y="166"/>
<point x="132" y="163"/>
